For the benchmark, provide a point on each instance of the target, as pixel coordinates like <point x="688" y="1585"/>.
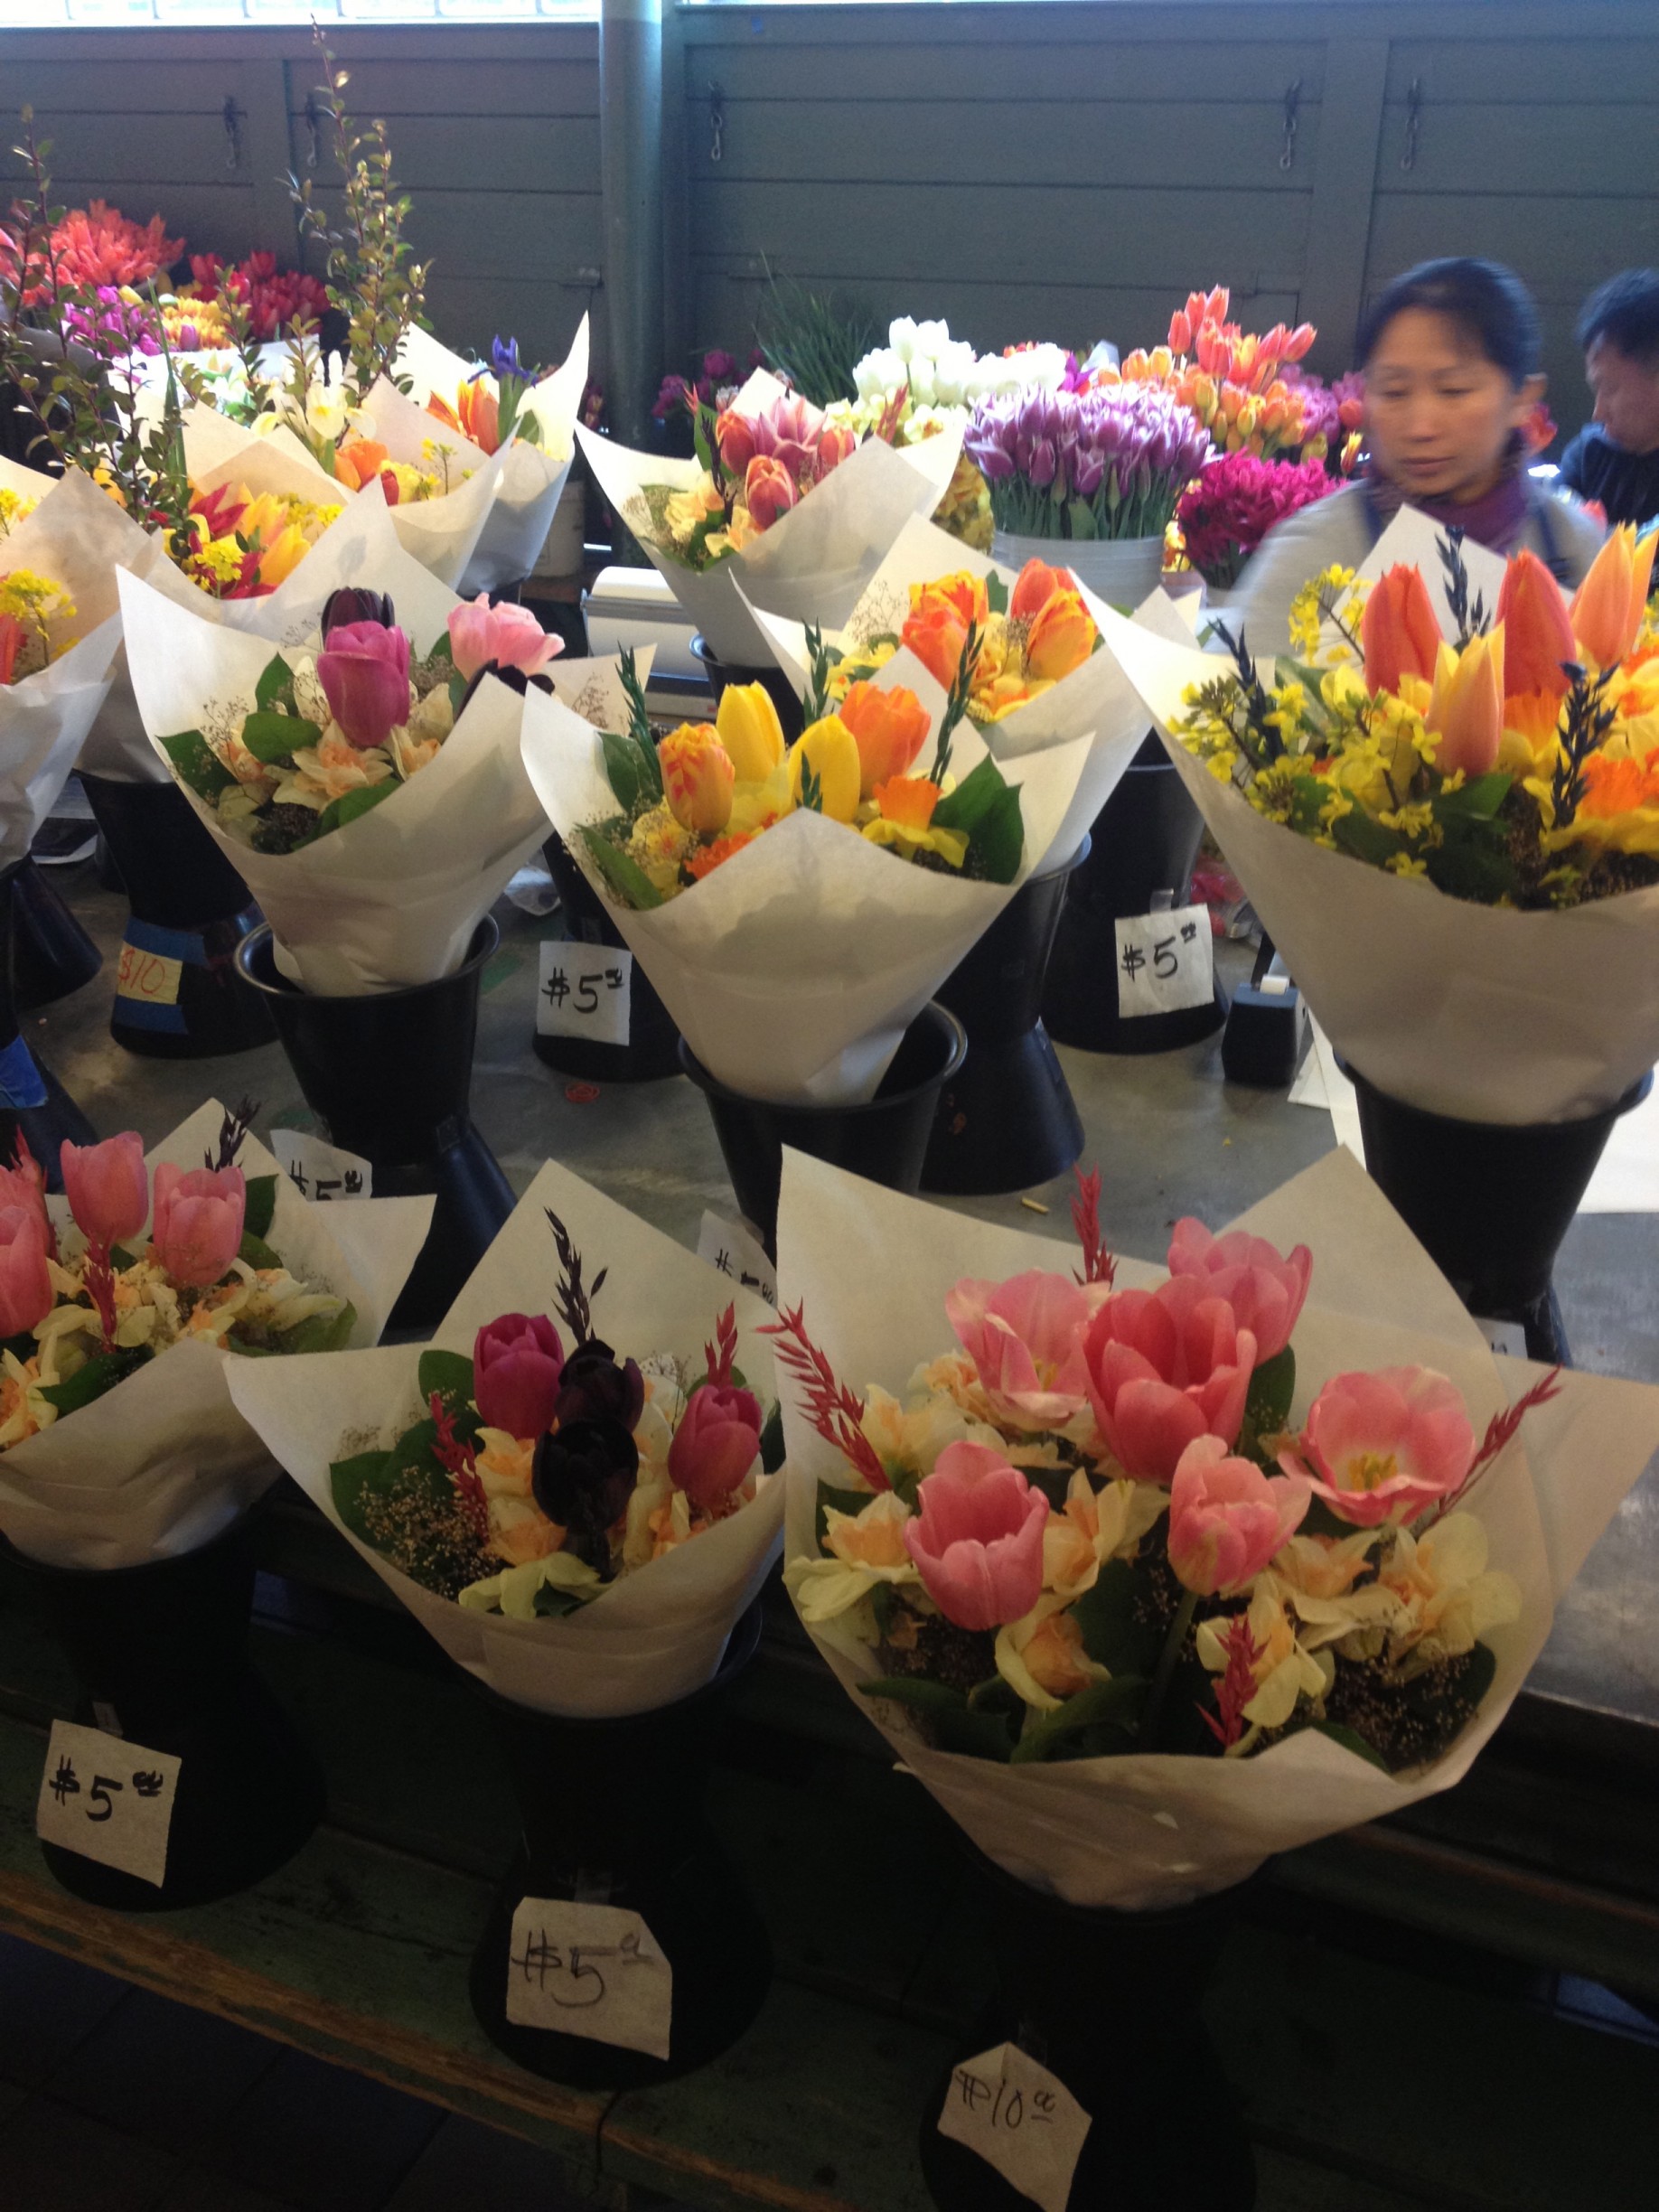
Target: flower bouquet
<point x="779" y="509"/>
<point x="796" y="907"/>
<point x="1237" y="499"/>
<point x="1037" y="676"/>
<point x="502" y="406"/>
<point x="1244" y="389"/>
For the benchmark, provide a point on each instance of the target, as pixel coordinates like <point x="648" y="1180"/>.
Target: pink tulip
<point x="25" y="1287"/>
<point x="198" y="1225"/>
<point x="734" y="437"/>
<point x="364" y="671"/>
<point x="1166" y="1366"/>
<point x="1381" y="1447"/>
<point x="109" y="1187"/>
<point x="24" y="1183"/>
<point x="834" y="447"/>
<point x="517" y="1362"/>
<point x="977" y="1541"/>
<point x="1227" y="1519"/>
<point x="1264" y="1289"/>
<point x="768" y="490"/>
<point x="1025" y="1339"/>
<point x="716" y="1443"/>
<point x="511" y="636"/>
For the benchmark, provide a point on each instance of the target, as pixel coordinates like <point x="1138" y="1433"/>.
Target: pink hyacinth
<point x="1163" y="1367"/>
<point x="977" y="1539"/>
<point x="198" y="1226"/>
<point x="1025" y="1339"/>
<point x="1265" y="1289"/>
<point x="509" y="636"/>
<point x="1381" y="1446"/>
<point x="1227" y="1519"/>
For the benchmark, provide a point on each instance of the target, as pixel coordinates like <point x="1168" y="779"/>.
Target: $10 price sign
<point x="1019" y="2118"/>
<point x="109" y="1800"/>
<point x="593" y="1970"/>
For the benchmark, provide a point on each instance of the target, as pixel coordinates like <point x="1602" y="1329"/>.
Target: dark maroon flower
<point x="350" y="605"/>
<point x="594" y="1387"/>
<point x="583" y="1478"/>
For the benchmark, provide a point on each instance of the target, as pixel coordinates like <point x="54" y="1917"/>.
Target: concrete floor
<point x="1169" y="1134"/>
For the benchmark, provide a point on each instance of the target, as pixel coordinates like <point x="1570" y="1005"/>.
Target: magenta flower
<point x="977" y="1539"/>
<point x="517" y="1364"/>
<point x="1164" y="1367"/>
<point x="1024" y="1337"/>
<point x="197" y="1231"/>
<point x="107" y="1187"/>
<point x="1237" y="499"/>
<point x="364" y="671"/>
<point x="716" y="1443"/>
<point x="1381" y="1446"/>
<point x="508" y="636"/>
<point x="1227" y="1519"/>
<point x="1265" y="1290"/>
<point x="25" y="1287"/>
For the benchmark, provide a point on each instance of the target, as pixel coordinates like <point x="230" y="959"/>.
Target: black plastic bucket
<point x="31" y="1099"/>
<point x="653" y="1050"/>
<point x="52" y="955"/>
<point x="782" y="691"/>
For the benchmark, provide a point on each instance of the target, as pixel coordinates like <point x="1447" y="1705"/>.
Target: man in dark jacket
<point x="1615" y="459"/>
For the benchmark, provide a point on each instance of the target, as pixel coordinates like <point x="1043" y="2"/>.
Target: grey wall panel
<point x="952" y="59"/>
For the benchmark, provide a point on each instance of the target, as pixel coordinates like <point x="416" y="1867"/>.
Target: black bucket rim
<point x="260" y="940"/>
<point x="18" y="1561"/>
<point x="1625" y="1104"/>
<point x="711" y="1086"/>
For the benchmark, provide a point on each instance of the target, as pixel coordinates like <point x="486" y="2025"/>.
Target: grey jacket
<point x="1343" y="530"/>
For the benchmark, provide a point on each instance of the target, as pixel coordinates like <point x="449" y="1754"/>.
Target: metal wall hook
<point x="313" y="129"/>
<point x="1413" y="122"/>
<point x="233" y="118"/>
<point x="1293" y="101"/>
<point x="716" y="122"/>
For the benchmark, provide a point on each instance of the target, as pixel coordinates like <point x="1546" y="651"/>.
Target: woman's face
<point x="1439" y="414"/>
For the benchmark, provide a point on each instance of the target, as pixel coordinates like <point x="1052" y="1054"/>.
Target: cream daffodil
<point x="864" y="1549"/>
<point x="1042" y="1659"/>
<point x="1092" y="1527"/>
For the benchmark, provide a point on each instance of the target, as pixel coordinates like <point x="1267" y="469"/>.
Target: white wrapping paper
<point x="656" y="1633"/>
<point x="793" y="968"/>
<point x="813" y="562"/>
<point x="28" y="483"/>
<point x="533" y="475"/>
<point x="1484" y="1013"/>
<point x="873" y="1269"/>
<point x="393" y="897"/>
<point x="1096" y="701"/>
<point x="158" y="1466"/>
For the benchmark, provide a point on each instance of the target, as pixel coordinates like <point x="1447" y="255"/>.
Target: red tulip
<point x="768" y="490"/>
<point x="1399" y="630"/>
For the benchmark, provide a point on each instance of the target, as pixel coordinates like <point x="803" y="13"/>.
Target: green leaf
<point x="552" y="1604"/>
<point x="915" y="1691"/>
<point x="198" y="765"/>
<point x="968" y="805"/>
<point x="355" y="1479"/>
<point x="322" y="1331"/>
<point x="450" y="1374"/>
<point x="1114" y="1704"/>
<point x="101" y="1372"/>
<point x="441" y="649"/>
<point x="1267" y="1407"/>
<point x="626" y="878"/>
<point x="261" y="1205"/>
<point x="1350" y="1740"/>
<point x="837" y="1501"/>
<point x="270" y="736"/>
<point x="255" y="1252"/>
<point x="274" y="680"/>
<point x="458" y="687"/>
<point x="998" y="844"/>
<point x="1482" y="798"/>
<point x="771" y="1441"/>
<point x="623" y="771"/>
<point x="351" y="804"/>
<point x="995" y="593"/>
<point x="981" y="1735"/>
<point x="1081" y="516"/>
<point x="1118" y="1631"/>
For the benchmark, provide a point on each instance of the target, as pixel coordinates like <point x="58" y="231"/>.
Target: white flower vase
<point x="1120" y="570"/>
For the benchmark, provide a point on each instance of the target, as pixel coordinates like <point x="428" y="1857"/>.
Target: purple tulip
<point x="364" y="671"/>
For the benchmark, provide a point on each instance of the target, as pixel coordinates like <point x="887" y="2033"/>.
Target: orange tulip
<point x="936" y="633"/>
<point x="1061" y="638"/>
<point x="360" y="463"/>
<point x="1466" y="707"/>
<point x="1036" y="586"/>
<point x="889" y="727"/>
<point x="476" y="415"/>
<point x="1608" y="608"/>
<point x="907" y="799"/>
<point x="963" y="593"/>
<point x="1537" y="630"/>
<point x="1399" y="630"/>
<point x="697" y="777"/>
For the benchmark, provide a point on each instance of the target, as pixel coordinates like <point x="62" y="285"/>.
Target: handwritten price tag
<point x="739" y="1256"/>
<point x="109" y="1800"/>
<point x="1165" y="962"/>
<point x="584" y="992"/>
<point x="150" y="977"/>
<point x="1506" y="1336"/>
<point x="320" y="1170"/>
<point x="1020" y="2119"/>
<point x="593" y="1970"/>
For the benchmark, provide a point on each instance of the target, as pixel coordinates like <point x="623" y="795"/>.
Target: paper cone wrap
<point x="794" y="968"/>
<point x="872" y="1270"/>
<point x="160" y="1464"/>
<point x="651" y="1636"/>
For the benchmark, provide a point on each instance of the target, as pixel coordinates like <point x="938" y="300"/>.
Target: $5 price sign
<point x="109" y="1800"/>
<point x="585" y="991"/>
<point x="1165" y="962"/>
<point x="593" y="1970"/>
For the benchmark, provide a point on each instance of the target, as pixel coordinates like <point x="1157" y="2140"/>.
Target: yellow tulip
<point x="832" y="752"/>
<point x="750" y="731"/>
<point x="696" y="778"/>
<point x="1466" y="707"/>
<point x="1609" y="607"/>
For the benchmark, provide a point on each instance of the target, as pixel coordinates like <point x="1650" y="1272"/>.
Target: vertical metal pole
<point x="631" y="184"/>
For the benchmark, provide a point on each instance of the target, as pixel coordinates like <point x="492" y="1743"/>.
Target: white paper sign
<point x="1019" y="2118"/>
<point x="319" y="1170"/>
<point x="738" y="1253"/>
<point x="1165" y="962"/>
<point x="585" y="991"/>
<point x="107" y="1799"/>
<point x="593" y="1970"/>
<point x="1506" y="1336"/>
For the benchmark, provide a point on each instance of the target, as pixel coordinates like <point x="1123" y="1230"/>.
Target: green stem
<point x="1174" y="1643"/>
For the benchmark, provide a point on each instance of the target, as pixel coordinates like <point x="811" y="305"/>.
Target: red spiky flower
<point x="835" y="1412"/>
<point x="1099" y="1266"/>
<point x="459" y="1461"/>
